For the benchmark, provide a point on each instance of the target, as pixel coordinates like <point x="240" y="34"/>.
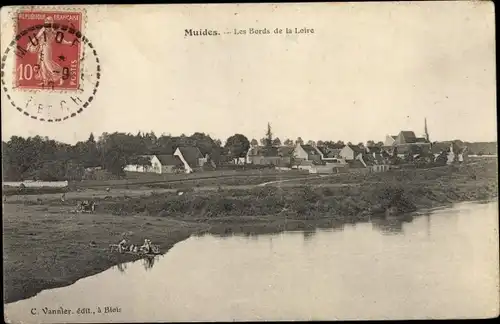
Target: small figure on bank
<point x="146" y="247"/>
<point x="122" y="245"/>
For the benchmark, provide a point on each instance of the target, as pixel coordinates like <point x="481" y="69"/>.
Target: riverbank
<point x="47" y="246"/>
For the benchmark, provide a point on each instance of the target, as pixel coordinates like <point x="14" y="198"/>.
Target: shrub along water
<point x="303" y="202"/>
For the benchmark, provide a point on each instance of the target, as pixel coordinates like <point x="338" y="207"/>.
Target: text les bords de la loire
<point x="248" y="31"/>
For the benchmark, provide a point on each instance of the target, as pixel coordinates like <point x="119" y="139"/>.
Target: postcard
<point x="249" y="162"/>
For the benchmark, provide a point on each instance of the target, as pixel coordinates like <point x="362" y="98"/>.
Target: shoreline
<point x="52" y="251"/>
<point x="116" y="259"/>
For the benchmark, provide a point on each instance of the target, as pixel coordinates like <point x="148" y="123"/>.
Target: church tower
<point x="425" y="130"/>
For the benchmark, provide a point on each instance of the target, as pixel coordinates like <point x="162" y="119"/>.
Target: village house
<point x="358" y="165"/>
<point x="328" y="168"/>
<point x="390" y="140"/>
<point x="153" y="166"/>
<point x="191" y="157"/>
<point x="376" y="151"/>
<point x="170" y="163"/>
<point x="351" y="152"/>
<point x="376" y="159"/>
<point x="330" y="153"/>
<point x="262" y="155"/>
<point x="156" y="164"/>
<point x="307" y="153"/>
<point x="406" y="142"/>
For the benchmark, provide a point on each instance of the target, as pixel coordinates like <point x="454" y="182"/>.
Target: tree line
<point x="41" y="158"/>
<point x="45" y="159"/>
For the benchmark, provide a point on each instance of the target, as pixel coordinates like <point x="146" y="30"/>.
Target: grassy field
<point x="13" y="195"/>
<point x="135" y="180"/>
<point x="219" y="176"/>
<point x="47" y="246"/>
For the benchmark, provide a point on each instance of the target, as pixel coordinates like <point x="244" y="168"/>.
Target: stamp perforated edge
<point x="13" y="16"/>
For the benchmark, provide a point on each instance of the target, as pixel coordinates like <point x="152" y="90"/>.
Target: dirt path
<point x="183" y="180"/>
<point x="117" y="191"/>
<point x="291" y="180"/>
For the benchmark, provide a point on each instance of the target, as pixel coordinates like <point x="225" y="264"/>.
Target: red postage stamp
<point x="47" y="58"/>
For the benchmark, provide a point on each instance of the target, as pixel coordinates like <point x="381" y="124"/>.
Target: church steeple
<point x="426" y="131"/>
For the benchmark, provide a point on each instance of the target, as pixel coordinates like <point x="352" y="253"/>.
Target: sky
<point x="368" y="70"/>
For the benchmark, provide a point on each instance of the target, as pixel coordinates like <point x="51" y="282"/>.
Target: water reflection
<point x="338" y="227"/>
<point x="388" y="226"/>
<point x="356" y="273"/>
<point x="391" y="225"/>
<point x="251" y="235"/>
<point x="122" y="267"/>
<point x="309" y="234"/>
<point x="147" y="262"/>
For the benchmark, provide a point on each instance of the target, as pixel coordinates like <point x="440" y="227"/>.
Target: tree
<point x="320" y="143"/>
<point x="206" y="145"/>
<point x="269" y="136"/>
<point x="288" y="142"/>
<point x="91" y="153"/>
<point x="263" y="141"/>
<point x="237" y="145"/>
<point x="457" y="147"/>
<point x="115" y="148"/>
<point x="40" y="158"/>
<point x="379" y="144"/>
<point x="299" y="141"/>
<point x="50" y="171"/>
<point x="114" y="160"/>
<point x="74" y="170"/>
<point x="254" y="142"/>
<point x="276" y="142"/>
<point x="311" y="142"/>
<point x="370" y="143"/>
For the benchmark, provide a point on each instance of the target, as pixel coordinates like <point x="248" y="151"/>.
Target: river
<point x="439" y="264"/>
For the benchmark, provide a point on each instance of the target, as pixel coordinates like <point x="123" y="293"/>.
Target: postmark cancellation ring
<point x="48" y="81"/>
